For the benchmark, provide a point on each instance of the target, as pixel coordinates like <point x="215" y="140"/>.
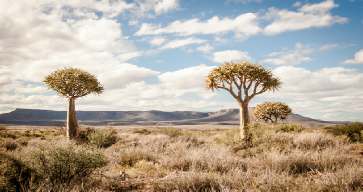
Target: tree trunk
<point x="72" y="125"/>
<point x="244" y="124"/>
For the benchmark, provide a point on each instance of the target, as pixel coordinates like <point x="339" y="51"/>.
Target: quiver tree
<point x="272" y="111"/>
<point x="244" y="81"/>
<point x="73" y="83"/>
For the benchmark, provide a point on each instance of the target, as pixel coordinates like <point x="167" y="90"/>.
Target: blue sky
<point x="154" y="54"/>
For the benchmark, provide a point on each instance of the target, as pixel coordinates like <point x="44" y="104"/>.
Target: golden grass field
<point x="179" y="158"/>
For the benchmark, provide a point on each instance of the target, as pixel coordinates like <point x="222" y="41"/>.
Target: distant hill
<point x="226" y="116"/>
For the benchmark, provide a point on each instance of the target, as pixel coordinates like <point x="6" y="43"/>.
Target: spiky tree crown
<point x="73" y="82"/>
<point x="272" y="111"/>
<point x="252" y="78"/>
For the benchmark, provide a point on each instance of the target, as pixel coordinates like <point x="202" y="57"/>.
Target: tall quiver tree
<point x="73" y="83"/>
<point x="243" y="80"/>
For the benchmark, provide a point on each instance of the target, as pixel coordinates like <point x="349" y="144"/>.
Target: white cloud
<point x="158" y="7"/>
<point x="329" y="93"/>
<point x="230" y="55"/>
<point x="188" y="78"/>
<point x="157" y="41"/>
<point x="177" y="43"/>
<point x="358" y="58"/>
<point x="163" y="6"/>
<point x="306" y="16"/>
<point x="328" y="47"/>
<point x="243" y="1"/>
<point x="39" y="37"/>
<point x="299" y="55"/>
<point x="243" y="25"/>
<point x="207" y="48"/>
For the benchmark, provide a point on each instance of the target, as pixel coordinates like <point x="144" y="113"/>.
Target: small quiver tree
<point x="272" y="111"/>
<point x="73" y="83"/>
<point x="243" y="80"/>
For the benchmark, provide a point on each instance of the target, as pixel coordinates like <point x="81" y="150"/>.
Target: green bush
<point x="354" y="131"/>
<point x="290" y="128"/>
<point x="61" y="165"/>
<point x="102" y="137"/>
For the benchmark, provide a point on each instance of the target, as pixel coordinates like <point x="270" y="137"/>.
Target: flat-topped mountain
<point x="49" y="117"/>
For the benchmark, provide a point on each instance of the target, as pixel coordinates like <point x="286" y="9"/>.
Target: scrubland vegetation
<point x="282" y="158"/>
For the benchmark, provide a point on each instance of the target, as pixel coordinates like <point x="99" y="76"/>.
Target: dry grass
<point x="211" y="159"/>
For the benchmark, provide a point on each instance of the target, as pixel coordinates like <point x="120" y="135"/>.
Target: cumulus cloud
<point x="309" y="15"/>
<point x="177" y="43"/>
<point x="328" y="93"/>
<point x="357" y="59"/>
<point x="243" y="25"/>
<point x="306" y="16"/>
<point x="300" y="54"/>
<point x="38" y="37"/>
<point x="230" y="55"/>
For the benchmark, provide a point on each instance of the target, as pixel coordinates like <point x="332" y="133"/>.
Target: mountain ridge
<point x="21" y="116"/>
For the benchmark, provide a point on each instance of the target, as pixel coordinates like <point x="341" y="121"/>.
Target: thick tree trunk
<point x="72" y="125"/>
<point x="244" y="124"/>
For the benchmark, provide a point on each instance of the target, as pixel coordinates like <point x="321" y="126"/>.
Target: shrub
<point x="102" y="137"/>
<point x="6" y="134"/>
<point x="61" y="165"/>
<point x="14" y="174"/>
<point x="131" y="156"/>
<point x="10" y="145"/>
<point x="171" y="132"/>
<point x="23" y="141"/>
<point x="354" y="131"/>
<point x="142" y="131"/>
<point x="311" y="141"/>
<point x="290" y="128"/>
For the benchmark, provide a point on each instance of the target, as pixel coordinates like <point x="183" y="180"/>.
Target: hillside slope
<point x="49" y="117"/>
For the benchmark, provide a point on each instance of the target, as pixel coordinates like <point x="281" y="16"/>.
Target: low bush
<point x="354" y="131"/>
<point x="314" y="141"/>
<point x="102" y="138"/>
<point x="62" y="165"/>
<point x="290" y="128"/>
<point x="10" y="145"/>
<point x="23" y="141"/>
<point x="131" y="156"/>
<point x="14" y="174"/>
<point x="171" y="132"/>
<point x="142" y="131"/>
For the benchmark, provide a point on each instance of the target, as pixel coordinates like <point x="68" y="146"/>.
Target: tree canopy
<point x="73" y="82"/>
<point x="243" y="80"/>
<point x="272" y="111"/>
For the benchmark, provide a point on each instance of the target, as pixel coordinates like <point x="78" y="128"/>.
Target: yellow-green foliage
<point x="272" y="111"/>
<point x="290" y="128"/>
<point x="73" y="82"/>
<point x="242" y="75"/>
<point x="60" y="165"/>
